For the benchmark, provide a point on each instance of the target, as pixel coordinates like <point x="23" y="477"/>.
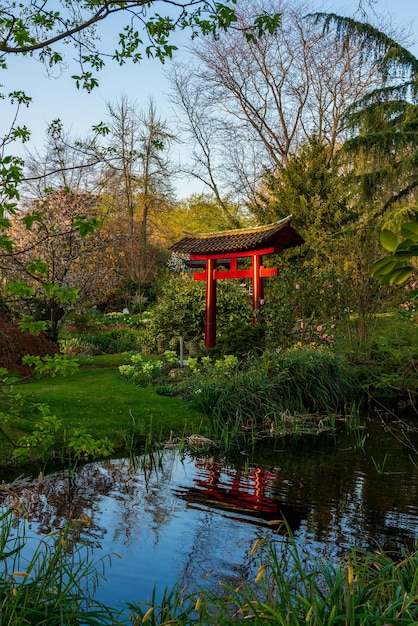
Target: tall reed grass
<point x="300" y="380"/>
<point x="364" y="589"/>
<point x="47" y="582"/>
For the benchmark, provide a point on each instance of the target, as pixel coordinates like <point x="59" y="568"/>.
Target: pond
<point x="174" y="517"/>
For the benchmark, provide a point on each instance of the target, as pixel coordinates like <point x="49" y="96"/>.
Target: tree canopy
<point x="48" y="29"/>
<point x="39" y="28"/>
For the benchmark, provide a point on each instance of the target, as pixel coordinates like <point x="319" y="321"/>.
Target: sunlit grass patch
<point x="100" y="403"/>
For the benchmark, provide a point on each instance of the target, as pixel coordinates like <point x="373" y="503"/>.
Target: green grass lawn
<point x="103" y="404"/>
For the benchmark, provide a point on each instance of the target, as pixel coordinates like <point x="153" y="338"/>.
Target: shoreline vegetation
<point x="86" y="404"/>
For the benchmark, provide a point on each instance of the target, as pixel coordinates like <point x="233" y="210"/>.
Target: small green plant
<point x="144" y="370"/>
<point x="380" y="466"/>
<point x="82" y="445"/>
<point x="41" y="441"/>
<point x="51" y="365"/>
<point x="70" y="347"/>
<point x="223" y="365"/>
<point x="360" y="439"/>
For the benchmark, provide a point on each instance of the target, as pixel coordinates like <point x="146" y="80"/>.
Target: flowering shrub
<point x="304" y="305"/>
<point x="121" y="319"/>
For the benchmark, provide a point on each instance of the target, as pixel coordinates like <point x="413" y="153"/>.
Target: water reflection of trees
<point x="349" y="500"/>
<point x="134" y="492"/>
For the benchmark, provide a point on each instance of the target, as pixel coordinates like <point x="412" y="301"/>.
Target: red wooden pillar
<point x="210" y="317"/>
<point x="258" y="287"/>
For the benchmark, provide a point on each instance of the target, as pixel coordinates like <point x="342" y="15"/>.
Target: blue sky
<point x="58" y="97"/>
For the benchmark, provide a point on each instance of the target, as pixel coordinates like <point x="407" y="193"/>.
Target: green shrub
<point x="239" y="338"/>
<point x="301" y="300"/>
<point x="387" y="363"/>
<point x="109" y="340"/>
<point x="180" y="311"/>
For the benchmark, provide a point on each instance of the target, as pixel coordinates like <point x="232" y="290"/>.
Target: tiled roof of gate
<point x="240" y="240"/>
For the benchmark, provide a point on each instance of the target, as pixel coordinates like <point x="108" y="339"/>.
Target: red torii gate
<point x="229" y="249"/>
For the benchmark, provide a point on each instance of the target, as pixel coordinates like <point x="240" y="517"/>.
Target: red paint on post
<point x="210" y="318"/>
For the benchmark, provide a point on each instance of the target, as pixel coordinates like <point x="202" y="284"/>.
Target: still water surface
<point x="180" y="517"/>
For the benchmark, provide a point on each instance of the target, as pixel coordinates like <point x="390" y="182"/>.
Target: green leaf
<point x="399" y="276"/>
<point x="29" y="324"/>
<point x="405" y="245"/>
<point x="36" y="266"/>
<point x="86" y="227"/>
<point x="409" y="230"/>
<point x="60" y="293"/>
<point x="20" y="288"/>
<point x="388" y="240"/>
<point x="383" y="266"/>
<point x="402" y="255"/>
<point x="4" y="222"/>
<point x="30" y="218"/>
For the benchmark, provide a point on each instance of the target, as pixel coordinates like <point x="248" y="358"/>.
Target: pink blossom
<point x="278" y="350"/>
<point x="297" y="286"/>
<point x="262" y="301"/>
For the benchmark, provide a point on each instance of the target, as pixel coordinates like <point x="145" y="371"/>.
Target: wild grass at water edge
<point x="294" y="392"/>
<point x="367" y="588"/>
<point x="54" y="584"/>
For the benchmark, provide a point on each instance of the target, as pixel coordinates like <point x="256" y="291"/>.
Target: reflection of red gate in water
<point x="248" y="496"/>
<point x="246" y="490"/>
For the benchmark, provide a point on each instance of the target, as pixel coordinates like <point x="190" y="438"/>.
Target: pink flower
<point x="297" y="286"/>
<point x="262" y="301"/>
<point x="278" y="350"/>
